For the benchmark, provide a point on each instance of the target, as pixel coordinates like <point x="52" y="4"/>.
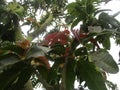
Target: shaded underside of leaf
<point x="36" y="51"/>
<point x="8" y="59"/>
<point x="104" y="60"/>
<point x="69" y="75"/>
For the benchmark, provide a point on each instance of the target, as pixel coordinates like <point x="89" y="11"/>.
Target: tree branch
<point x="42" y="28"/>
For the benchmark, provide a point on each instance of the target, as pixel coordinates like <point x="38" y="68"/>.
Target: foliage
<point x="65" y="54"/>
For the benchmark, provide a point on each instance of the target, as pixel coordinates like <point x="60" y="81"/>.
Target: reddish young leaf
<point x="45" y="62"/>
<point x="92" y="40"/>
<point x="56" y="37"/>
<point x="79" y="36"/>
<point x="30" y="19"/>
<point x="24" y="44"/>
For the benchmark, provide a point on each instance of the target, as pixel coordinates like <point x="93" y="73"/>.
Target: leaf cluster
<point x="63" y="56"/>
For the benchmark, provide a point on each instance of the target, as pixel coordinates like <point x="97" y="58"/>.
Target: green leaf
<point x="75" y="22"/>
<point x="90" y="9"/>
<point x="69" y="75"/>
<point x="75" y="9"/>
<point x="71" y="6"/>
<point x="90" y="75"/>
<point x="109" y="20"/>
<point x="36" y="51"/>
<point x="104" y="60"/>
<point x="106" y="42"/>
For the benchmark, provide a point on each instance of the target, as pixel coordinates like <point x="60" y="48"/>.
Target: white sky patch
<point x="114" y="5"/>
<point x="114" y="51"/>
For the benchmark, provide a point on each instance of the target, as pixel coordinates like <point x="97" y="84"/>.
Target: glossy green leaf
<point x="105" y="61"/>
<point x="93" y="78"/>
<point x="69" y="75"/>
<point x="36" y="51"/>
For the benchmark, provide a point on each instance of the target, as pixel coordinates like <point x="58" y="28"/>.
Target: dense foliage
<point x="54" y="53"/>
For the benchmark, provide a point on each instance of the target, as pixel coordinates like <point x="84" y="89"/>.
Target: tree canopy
<point x="54" y="53"/>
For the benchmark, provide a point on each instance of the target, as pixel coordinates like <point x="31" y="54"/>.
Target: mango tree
<point x="54" y="53"/>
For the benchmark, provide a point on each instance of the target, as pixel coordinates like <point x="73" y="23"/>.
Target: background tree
<point x="58" y="56"/>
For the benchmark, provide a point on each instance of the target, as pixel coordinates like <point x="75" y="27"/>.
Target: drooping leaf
<point x="69" y="75"/>
<point x="105" y="61"/>
<point x="93" y="78"/>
